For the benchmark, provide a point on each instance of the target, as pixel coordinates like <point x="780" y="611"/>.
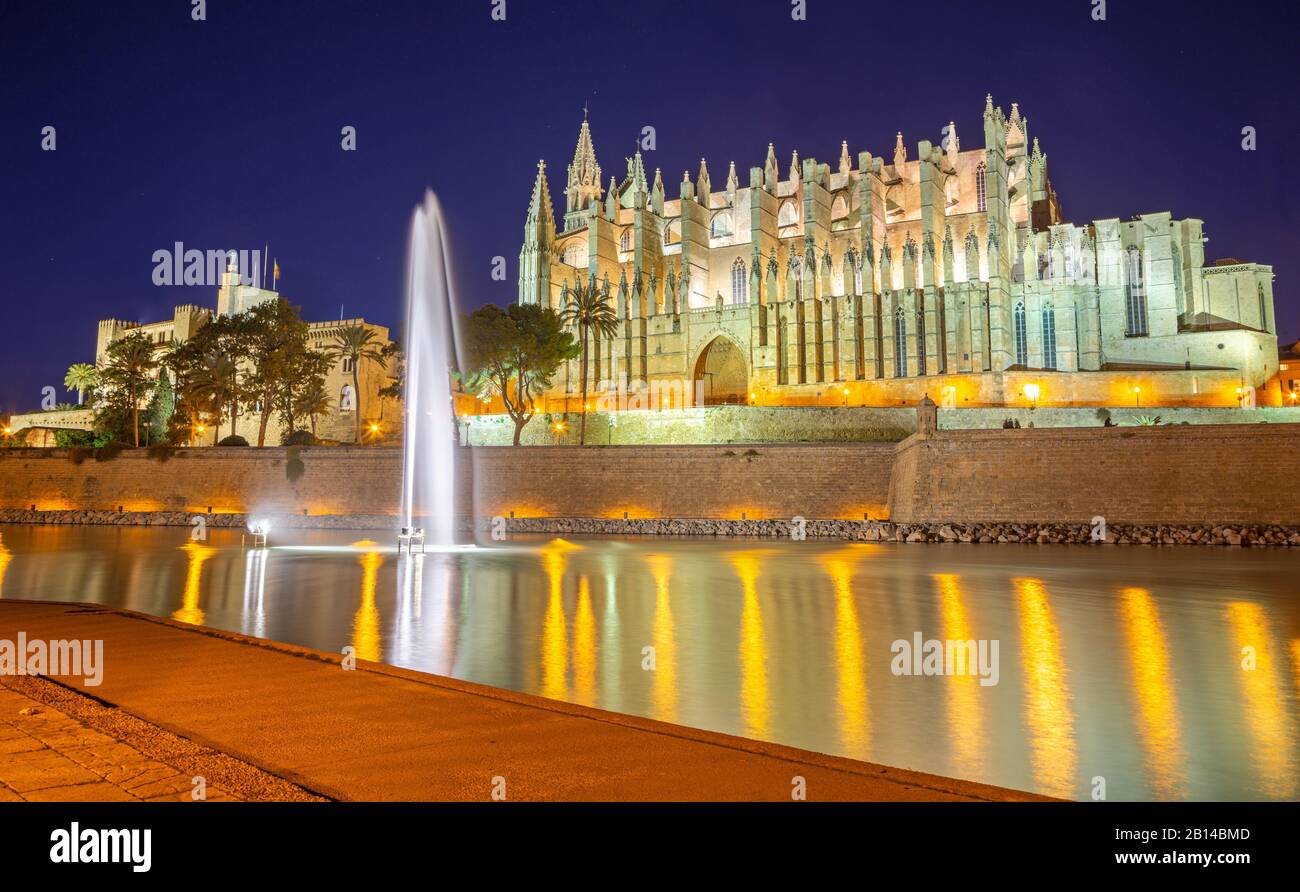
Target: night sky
<point x="225" y="133"/>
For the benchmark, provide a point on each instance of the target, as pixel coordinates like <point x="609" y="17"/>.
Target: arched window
<point x="739" y="283"/>
<point x="575" y="253"/>
<point x="1049" y="337"/>
<point x="900" y="344"/>
<point x="981" y="188"/>
<point x="788" y="215"/>
<point x="347" y="399"/>
<point x="1022" y="340"/>
<point x="625" y="243"/>
<point x="1135" y="296"/>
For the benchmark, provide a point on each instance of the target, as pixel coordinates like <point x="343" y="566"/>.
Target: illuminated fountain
<point x="428" y="510"/>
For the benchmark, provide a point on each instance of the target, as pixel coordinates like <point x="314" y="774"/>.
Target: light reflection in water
<point x="1118" y="662"/>
<point x="1157" y="703"/>
<point x="1267" y="721"/>
<point x="190" y="611"/>
<point x="663" y="639"/>
<point x="1048" y="708"/>
<point x="851" y="674"/>
<point x="365" y="625"/>
<point x="965" y="709"/>
<point x="584" y="647"/>
<point x="754" y="703"/>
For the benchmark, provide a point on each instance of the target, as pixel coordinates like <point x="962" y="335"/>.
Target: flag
<point x="275" y="274"/>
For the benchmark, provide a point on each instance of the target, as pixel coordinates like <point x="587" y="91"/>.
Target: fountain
<point x="428" y="463"/>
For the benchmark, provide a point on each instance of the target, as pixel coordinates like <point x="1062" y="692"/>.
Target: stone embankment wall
<point x="1218" y="478"/>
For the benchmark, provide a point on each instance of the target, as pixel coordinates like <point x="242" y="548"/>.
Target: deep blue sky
<point x="225" y="133"/>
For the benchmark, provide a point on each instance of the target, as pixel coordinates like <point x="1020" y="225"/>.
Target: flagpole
<point x="265" y="251"/>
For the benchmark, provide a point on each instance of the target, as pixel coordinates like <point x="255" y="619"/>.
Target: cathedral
<point x="876" y="280"/>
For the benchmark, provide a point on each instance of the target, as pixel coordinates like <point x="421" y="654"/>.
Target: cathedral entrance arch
<point x="721" y="373"/>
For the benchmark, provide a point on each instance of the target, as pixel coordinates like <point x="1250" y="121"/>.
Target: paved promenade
<point x="264" y="720"/>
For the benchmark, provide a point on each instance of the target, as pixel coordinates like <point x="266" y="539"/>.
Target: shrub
<point x="233" y="440"/>
<point x="67" y="438"/>
<point x="301" y="438"/>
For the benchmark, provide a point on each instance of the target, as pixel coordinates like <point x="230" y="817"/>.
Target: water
<point x="428" y="474"/>
<point x="1122" y="663"/>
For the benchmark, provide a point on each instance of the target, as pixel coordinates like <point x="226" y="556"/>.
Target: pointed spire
<point x="539" y="207"/>
<point x="656" y="192"/>
<point x="794" y="167"/>
<point x="584" y="172"/>
<point x="636" y="170"/>
<point x="702" y="185"/>
<point x="1037" y="153"/>
<point x="770" y="175"/>
<point x="952" y="145"/>
<point x="846" y="164"/>
<point x="611" y="200"/>
<point x="732" y="182"/>
<point x="988" y="105"/>
<point x="1015" y="113"/>
<point x="900" y="150"/>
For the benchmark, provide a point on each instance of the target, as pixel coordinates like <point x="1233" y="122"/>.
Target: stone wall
<point x="337" y="480"/>
<point x="702" y="425"/>
<point x="645" y="481"/>
<point x="1194" y="474"/>
<point x="761" y="482"/>
<point x="1139" y="475"/>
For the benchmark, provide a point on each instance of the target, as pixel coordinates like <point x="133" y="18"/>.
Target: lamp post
<point x="1031" y="391"/>
<point x="1137" y="397"/>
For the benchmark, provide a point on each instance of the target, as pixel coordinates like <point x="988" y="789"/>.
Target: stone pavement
<point x="261" y="719"/>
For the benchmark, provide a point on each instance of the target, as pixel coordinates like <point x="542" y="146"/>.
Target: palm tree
<point x="354" y="343"/>
<point x="214" y="382"/>
<point x="313" y="402"/>
<point x="81" y="377"/>
<point x="130" y="360"/>
<point x="589" y="310"/>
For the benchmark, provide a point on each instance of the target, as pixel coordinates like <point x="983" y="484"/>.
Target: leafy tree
<point x="312" y="402"/>
<point x="589" y="309"/>
<point x="81" y="377"/>
<point x="216" y="385"/>
<point x="275" y="338"/>
<point x="123" y="382"/>
<point x="161" y="406"/>
<point x="516" y="352"/>
<point x="357" y="343"/>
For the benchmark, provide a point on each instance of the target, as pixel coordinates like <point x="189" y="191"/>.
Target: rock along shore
<point x="1227" y="534"/>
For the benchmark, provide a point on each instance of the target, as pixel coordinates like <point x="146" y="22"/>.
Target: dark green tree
<point x="515" y="352"/>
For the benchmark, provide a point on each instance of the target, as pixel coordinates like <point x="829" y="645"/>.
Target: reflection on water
<point x="1170" y="673"/>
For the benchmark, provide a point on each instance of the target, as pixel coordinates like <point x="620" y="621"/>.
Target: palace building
<point x="876" y="280"/>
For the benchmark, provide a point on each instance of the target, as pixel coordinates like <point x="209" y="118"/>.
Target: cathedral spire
<point x="656" y="191"/>
<point x="611" y="200"/>
<point x="584" y="174"/>
<point x="794" y="166"/>
<point x="770" y="174"/>
<point x="846" y="164"/>
<point x="732" y="181"/>
<point x="988" y="105"/>
<point x="539" y="208"/>
<point x="900" y="150"/>
<point x="702" y="184"/>
<point x="952" y="145"/>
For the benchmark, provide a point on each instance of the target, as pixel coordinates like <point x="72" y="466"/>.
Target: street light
<point x="1031" y="393"/>
<point x="846" y="397"/>
<point x="1137" y="396"/>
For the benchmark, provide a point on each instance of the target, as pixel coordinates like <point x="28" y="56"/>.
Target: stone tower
<point x="538" y="251"/>
<point x="584" y="180"/>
